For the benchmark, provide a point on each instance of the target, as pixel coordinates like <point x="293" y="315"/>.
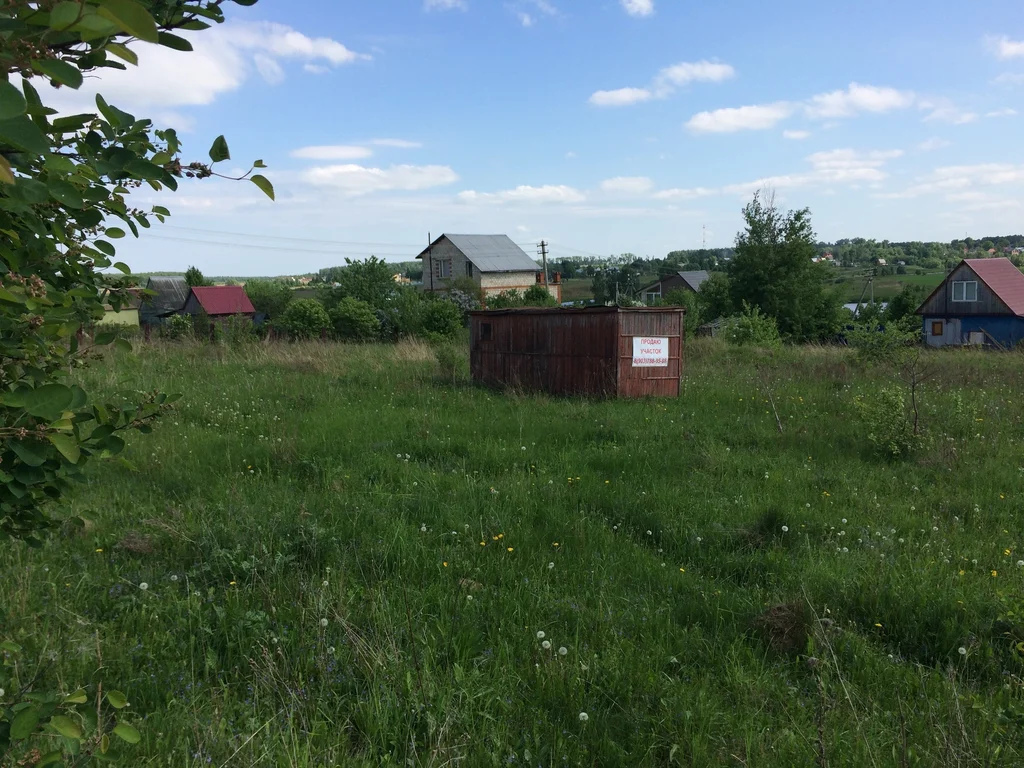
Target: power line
<point x="279" y="249"/>
<point x="257" y="236"/>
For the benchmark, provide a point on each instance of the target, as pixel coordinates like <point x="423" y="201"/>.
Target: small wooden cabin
<point x="981" y="303"/>
<point x="594" y="351"/>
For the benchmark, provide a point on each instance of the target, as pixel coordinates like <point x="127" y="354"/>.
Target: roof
<point x="1001" y="277"/>
<point x="223" y="300"/>
<point x="490" y="253"/>
<point x="598" y="310"/>
<point x="694" y="279"/>
<point x="170" y="294"/>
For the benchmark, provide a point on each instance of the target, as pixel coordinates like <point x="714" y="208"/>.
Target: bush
<point x="271" y="297"/>
<point x="354" y="320"/>
<point x="403" y="317"/>
<point x="888" y="421"/>
<point x="305" y="319"/>
<point x="451" y="362"/>
<point x="237" y="329"/>
<point x="441" y="320"/>
<point x="508" y="299"/>
<point x="538" y="295"/>
<point x="752" y="328"/>
<point x="177" y="327"/>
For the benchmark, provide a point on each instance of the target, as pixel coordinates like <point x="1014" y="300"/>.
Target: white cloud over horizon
<point x="665" y="83"/>
<point x="796" y="135"/>
<point x="444" y="5"/>
<point x="627" y="185"/>
<point x="353" y="179"/>
<point x="855" y="99"/>
<point x="1005" y="48"/>
<point x="332" y="152"/>
<point x="550" y="193"/>
<point x="731" y="119"/>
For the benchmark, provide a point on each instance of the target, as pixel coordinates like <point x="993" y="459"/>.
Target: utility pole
<point x="544" y="260"/>
<point x="430" y="261"/>
<point x="703" y="237"/>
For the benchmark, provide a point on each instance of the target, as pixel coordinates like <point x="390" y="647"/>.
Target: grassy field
<point x="851" y="283"/>
<point x="330" y="555"/>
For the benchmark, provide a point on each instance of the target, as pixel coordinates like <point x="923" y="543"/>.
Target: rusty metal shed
<point x="597" y="351"/>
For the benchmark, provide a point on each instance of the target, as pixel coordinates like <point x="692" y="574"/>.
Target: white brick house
<point x="493" y="262"/>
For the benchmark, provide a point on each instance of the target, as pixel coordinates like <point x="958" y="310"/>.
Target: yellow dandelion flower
<point x="994" y="574"/>
<point x="554" y="544"/>
<point x="878" y="625"/>
<point x="1006" y="551"/>
<point x="961" y="573"/>
<point x="501" y="535"/>
<point x="682" y="570"/>
<point x="483" y="543"/>
<point x="445" y="564"/>
<point x="100" y="549"/>
<point x="233" y="583"/>
<point x="510" y="549"/>
<point x="494" y="538"/>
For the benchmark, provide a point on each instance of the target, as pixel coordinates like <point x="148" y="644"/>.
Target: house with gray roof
<point x="164" y="296"/>
<point x="493" y="262"/>
<point x="687" y="281"/>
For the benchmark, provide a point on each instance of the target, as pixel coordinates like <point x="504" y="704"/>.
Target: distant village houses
<point x="493" y="262"/>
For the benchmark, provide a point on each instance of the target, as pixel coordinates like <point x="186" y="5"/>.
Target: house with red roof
<point x="218" y="302"/>
<point x="981" y="302"/>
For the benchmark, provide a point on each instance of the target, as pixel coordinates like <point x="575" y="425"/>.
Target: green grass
<point x="348" y="561"/>
<point x="851" y="282"/>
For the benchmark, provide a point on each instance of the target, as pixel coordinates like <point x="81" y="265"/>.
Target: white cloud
<point x="444" y="5"/>
<point x="1001" y="113"/>
<point x="1005" y="48"/>
<point x="750" y="118"/>
<point x="1010" y="78"/>
<point x="666" y="82"/>
<point x="796" y="135"/>
<point x="944" y="111"/>
<point x="222" y="60"/>
<point x="932" y="144"/>
<point x="316" y="69"/>
<point x="857" y="98"/>
<point x="963" y="179"/>
<point x="627" y="185"/>
<point x="526" y="194"/>
<point x="683" y="194"/>
<point x="638" y="7"/>
<point x="397" y="143"/>
<point x="621" y="97"/>
<point x="525" y="19"/>
<point x="838" y="166"/>
<point x="332" y="152"/>
<point x="361" y="180"/>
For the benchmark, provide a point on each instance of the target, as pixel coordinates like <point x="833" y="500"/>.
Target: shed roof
<point x="169" y="294"/>
<point x="490" y="253"/>
<point x="223" y="300"/>
<point x="695" y="278"/>
<point x="1001" y="277"/>
<point x="596" y="310"/>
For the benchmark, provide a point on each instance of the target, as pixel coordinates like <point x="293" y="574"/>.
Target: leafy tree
<point x="195" y="278"/>
<point x="773" y="270"/>
<point x="599" y="287"/>
<point x="716" y="296"/>
<point x="404" y="315"/>
<point x="305" y="319"/>
<point x="269" y="296"/>
<point x="371" y="281"/>
<point x="751" y="327"/>
<point x="506" y="299"/>
<point x="354" y="320"/>
<point x="692" y="301"/>
<point x="65" y="184"/>
<point x="905" y="303"/>
<point x="441" y="320"/>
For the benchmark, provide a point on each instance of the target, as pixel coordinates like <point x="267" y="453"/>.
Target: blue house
<point x="980" y="303"/>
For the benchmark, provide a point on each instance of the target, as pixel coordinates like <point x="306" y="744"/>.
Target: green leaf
<point x="173" y="41"/>
<point x="66" y="727"/>
<point x="120" y="265"/>
<point x="27" y="452"/>
<point x="78" y="397"/>
<point x="22" y="133"/>
<point x="52" y="758"/>
<point x="219" y="150"/>
<point x="123" y="344"/>
<point x="114" y="233"/>
<point x="67" y="446"/>
<point x="160" y="210"/>
<point x="123" y="52"/>
<point x="59" y="70"/>
<point x="78" y="697"/>
<point x="105" y="247"/>
<point x="72" y="122"/>
<point x="263" y="183"/>
<point x="259" y="164"/>
<point x="48" y="401"/>
<point x="127" y="733"/>
<point x="65" y="192"/>
<point x="25" y="723"/>
<point x="132" y="17"/>
<point x="64" y="14"/>
<point x="117" y="700"/>
<point x="12" y="103"/>
<point x="102" y="339"/>
<point x="6" y="173"/>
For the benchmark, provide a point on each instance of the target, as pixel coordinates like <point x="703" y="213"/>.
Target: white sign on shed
<point x="650" y="352"/>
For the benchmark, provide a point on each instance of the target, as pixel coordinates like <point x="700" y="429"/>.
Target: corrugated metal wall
<point x="574" y="351"/>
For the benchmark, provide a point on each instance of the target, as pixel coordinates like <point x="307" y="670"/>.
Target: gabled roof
<point x="223" y="300"/>
<point x="171" y="293"/>
<point x="695" y="278"/>
<point x="1001" y="277"/>
<point x="490" y="253"/>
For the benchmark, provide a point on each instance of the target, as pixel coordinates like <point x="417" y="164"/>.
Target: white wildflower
<point x="584" y="717"/>
<point x="143" y="586"/>
<point x="174" y="577"/>
<point x="330" y="650"/>
<point x="563" y="651"/>
<point x="324" y="622"/>
<point x="550" y="566"/>
<point x="546" y="645"/>
<point x="962" y="651"/>
<point x="785" y="529"/>
<point x="540" y="634"/>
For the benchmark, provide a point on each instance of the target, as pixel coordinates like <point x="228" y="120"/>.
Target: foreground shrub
<point x="889" y="421"/>
<point x="441" y="320"/>
<point x="354" y="320"/>
<point x="305" y="319"/>
<point x="538" y="295"/>
<point x="451" y="362"/>
<point x="178" y="327"/>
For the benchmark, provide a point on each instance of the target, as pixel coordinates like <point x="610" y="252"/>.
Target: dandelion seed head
<point x="962" y="651"/>
<point x="324" y="622"/>
<point x="563" y="651"/>
<point x="143" y="586"/>
<point x="546" y="645"/>
<point x="584" y="717"/>
<point x="785" y="529"/>
<point x="540" y="634"/>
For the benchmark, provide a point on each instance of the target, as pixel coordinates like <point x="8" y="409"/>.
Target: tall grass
<point x="349" y="559"/>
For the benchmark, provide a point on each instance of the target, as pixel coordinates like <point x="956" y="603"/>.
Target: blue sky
<point x="603" y="126"/>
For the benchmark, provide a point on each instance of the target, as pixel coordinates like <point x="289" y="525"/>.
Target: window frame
<point x="963" y="285"/>
<point x="444" y="269"/>
<point x="485" y="331"/>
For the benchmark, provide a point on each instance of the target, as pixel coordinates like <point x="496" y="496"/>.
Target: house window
<point x="444" y="269"/>
<point x="965" y="290"/>
<point x="936" y="328"/>
<point x="485" y="331"/>
<point x="469" y="269"/>
<point x="652" y="296"/>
